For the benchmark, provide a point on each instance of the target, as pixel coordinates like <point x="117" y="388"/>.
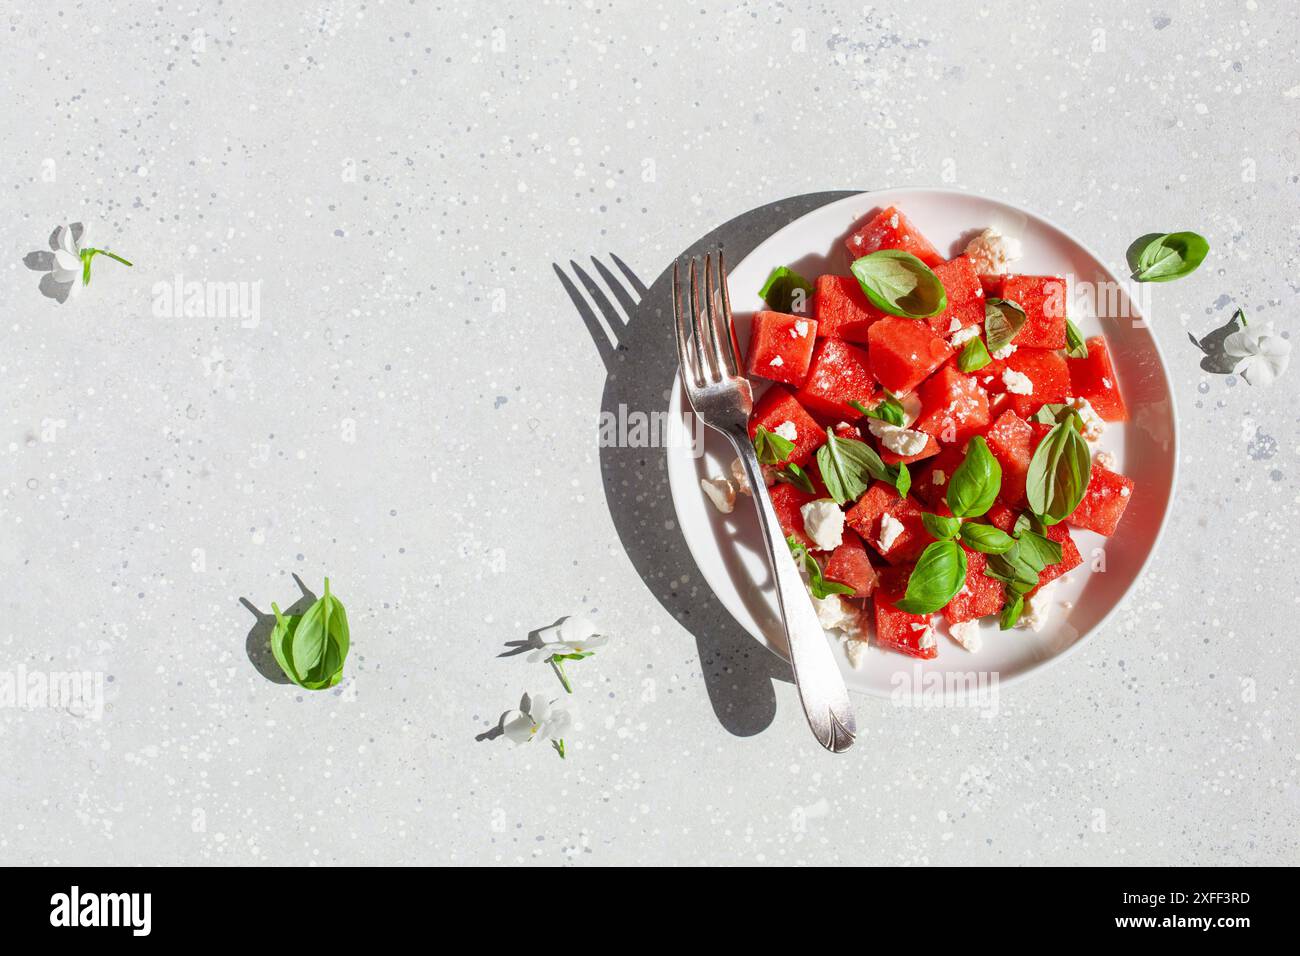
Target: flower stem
<point x="558" y="664"/>
<point x="559" y="747"/>
<point x="114" y="256"/>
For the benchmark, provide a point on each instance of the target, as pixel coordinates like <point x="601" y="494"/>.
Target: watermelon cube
<point x="930" y="482"/>
<point x="953" y="406"/>
<point x="890" y="229"/>
<point x="910" y="634"/>
<point x="904" y="352"/>
<point x="781" y="347"/>
<point x="1094" y="378"/>
<point x="1012" y="443"/>
<point x="840" y="373"/>
<point x="1048" y="377"/>
<point x="899" y="539"/>
<point x="980" y="596"/>
<point x="778" y="409"/>
<point x="1043" y="299"/>
<point x="1104" y="502"/>
<point x="786" y="502"/>
<point x="965" y="297"/>
<point x="842" y="309"/>
<point x="849" y="564"/>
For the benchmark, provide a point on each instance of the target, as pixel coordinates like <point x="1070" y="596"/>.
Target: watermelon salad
<point x="925" y="437"/>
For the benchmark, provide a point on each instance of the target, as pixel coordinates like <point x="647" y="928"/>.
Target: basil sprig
<point x="939" y="574"/>
<point x="974" y="356"/>
<point x="848" y="467"/>
<point x="786" y="291"/>
<point x="1058" y="473"/>
<point x="817" y="583"/>
<point x="770" y="447"/>
<point x="1168" y="257"/>
<point x="1011" y="612"/>
<point x="986" y="538"/>
<point x="941" y="526"/>
<point x="1075" y="346"/>
<point x="888" y="409"/>
<point x="1003" y="320"/>
<point x="794" y="475"/>
<point x="899" y="283"/>
<point x="976" y="482"/>
<point x="311" y="647"/>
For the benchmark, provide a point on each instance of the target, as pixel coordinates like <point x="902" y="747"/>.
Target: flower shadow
<point x="1215" y="359"/>
<point x="257" y="645"/>
<point x="42" y="260"/>
<point x="630" y="325"/>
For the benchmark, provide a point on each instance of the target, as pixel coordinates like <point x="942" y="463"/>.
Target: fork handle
<point x="821" y="687"/>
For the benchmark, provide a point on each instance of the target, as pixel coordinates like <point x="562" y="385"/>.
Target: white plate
<point x="729" y="549"/>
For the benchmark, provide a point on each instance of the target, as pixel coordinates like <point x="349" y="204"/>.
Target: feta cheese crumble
<point x="739" y="478"/>
<point x="1004" y="352"/>
<point x="1038" y="607"/>
<point x="967" y="634"/>
<point x="836" y="614"/>
<point x="990" y="252"/>
<point x="787" y="430"/>
<point x="776" y="362"/>
<point x="823" y="521"/>
<point x="963" y="336"/>
<point x="856" y="649"/>
<point x="800" y="330"/>
<point x="721" y="492"/>
<point x="1017" y="383"/>
<point x="900" y="439"/>
<point x="937" y="477"/>
<point x="890" y="529"/>
<point x="1093" y="426"/>
<point x="1106" y="460"/>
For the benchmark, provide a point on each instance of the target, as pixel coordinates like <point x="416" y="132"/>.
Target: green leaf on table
<point x="312" y="648"/>
<point x="975" y="484"/>
<point x="899" y="283"/>
<point x="1003" y="320"/>
<point x="939" y="574"/>
<point x="1163" y="258"/>
<point x="787" y="291"/>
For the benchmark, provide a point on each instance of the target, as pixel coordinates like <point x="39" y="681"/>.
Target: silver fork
<point x="722" y="398"/>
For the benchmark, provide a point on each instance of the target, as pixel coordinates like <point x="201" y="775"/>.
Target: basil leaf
<point x="1039" y="551"/>
<point x="1003" y="320"/>
<point x="794" y="475"/>
<point x="1054" y="414"/>
<point x="899" y="283"/>
<point x="974" y="356"/>
<point x="311" y="649"/>
<point x="787" y="291"/>
<point x="848" y="467"/>
<point x="986" y="538"/>
<point x="1027" y="521"/>
<point x="940" y="526"/>
<point x="976" y="482"/>
<point x="1011" y="612"/>
<point x="1058" y="474"/>
<point x="770" y="447"/>
<point x="888" y="409"/>
<point x="818" y="586"/>
<point x="939" y="574"/>
<point x="1075" y="346"/>
<point x="1171" y="256"/>
<point x="902" y="479"/>
<point x="1013" y="570"/>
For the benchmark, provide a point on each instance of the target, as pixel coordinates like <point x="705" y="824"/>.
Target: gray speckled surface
<point x="413" y="411"/>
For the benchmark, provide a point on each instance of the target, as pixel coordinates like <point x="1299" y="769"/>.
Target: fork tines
<point x="706" y="343"/>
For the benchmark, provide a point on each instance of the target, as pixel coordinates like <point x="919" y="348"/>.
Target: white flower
<point x="1262" y="355"/>
<point x="536" y="719"/>
<point x="572" y="635"/>
<point x="67" y="266"/>
<point x="67" y="254"/>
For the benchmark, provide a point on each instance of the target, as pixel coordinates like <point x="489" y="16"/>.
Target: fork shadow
<point x="631" y="326"/>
